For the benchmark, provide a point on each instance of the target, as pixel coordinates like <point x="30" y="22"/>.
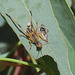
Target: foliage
<point x="55" y="15"/>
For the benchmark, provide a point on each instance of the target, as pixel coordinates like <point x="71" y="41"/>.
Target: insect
<point x="31" y="33"/>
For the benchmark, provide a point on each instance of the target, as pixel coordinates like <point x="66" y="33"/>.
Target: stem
<point x="21" y="62"/>
<point x="35" y="62"/>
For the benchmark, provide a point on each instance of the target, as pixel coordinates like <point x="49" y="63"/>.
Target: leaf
<point x="4" y="55"/>
<point x="67" y="24"/>
<point x="49" y="65"/>
<point x="43" y="14"/>
<point x="69" y="2"/>
<point x="2" y="21"/>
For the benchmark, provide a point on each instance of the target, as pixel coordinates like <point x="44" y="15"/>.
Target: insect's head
<point x="43" y="29"/>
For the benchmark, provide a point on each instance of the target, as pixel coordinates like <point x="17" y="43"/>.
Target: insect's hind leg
<point x="16" y="23"/>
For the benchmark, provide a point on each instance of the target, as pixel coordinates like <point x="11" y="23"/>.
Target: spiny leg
<point x="30" y="43"/>
<point x="35" y="30"/>
<point x="31" y="22"/>
<point x="17" y="24"/>
<point x="29" y="40"/>
<point x="42" y="37"/>
<point x="23" y="35"/>
<point x="31" y="19"/>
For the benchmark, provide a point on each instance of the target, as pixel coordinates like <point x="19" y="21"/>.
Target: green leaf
<point x="4" y="55"/>
<point x="2" y="21"/>
<point x="49" y="65"/>
<point x="69" y="2"/>
<point x="67" y="24"/>
<point x="42" y="13"/>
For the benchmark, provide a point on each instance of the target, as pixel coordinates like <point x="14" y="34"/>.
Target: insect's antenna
<point x="15" y="22"/>
<point x="31" y="19"/>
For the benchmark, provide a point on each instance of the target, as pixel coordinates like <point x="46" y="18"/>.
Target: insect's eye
<point x="42" y="29"/>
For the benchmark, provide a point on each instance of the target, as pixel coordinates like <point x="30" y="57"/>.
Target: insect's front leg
<point x="30" y="39"/>
<point x="35" y="30"/>
<point x="30" y="44"/>
<point x="32" y="28"/>
<point x="44" y="39"/>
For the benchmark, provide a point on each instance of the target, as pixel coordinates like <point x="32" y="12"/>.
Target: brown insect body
<point x="34" y="38"/>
